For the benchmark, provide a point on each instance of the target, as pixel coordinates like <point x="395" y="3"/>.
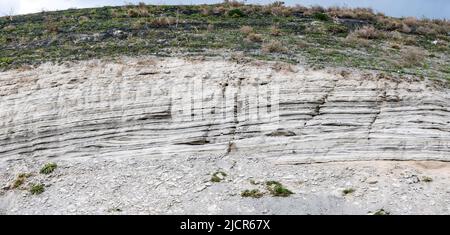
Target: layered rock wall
<point x="169" y="107"/>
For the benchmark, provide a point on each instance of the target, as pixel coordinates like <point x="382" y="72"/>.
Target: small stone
<point x="201" y="188"/>
<point x="371" y="180"/>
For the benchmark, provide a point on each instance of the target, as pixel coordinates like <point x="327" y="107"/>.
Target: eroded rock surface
<point x="161" y="108"/>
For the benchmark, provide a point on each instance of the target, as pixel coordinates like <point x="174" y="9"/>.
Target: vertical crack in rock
<point x="232" y="144"/>
<point x="381" y="99"/>
<point x="321" y="103"/>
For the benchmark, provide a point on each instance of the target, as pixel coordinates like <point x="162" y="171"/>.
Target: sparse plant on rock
<point x="37" y="189"/>
<point x="218" y="176"/>
<point x="48" y="168"/>
<point x="276" y="189"/>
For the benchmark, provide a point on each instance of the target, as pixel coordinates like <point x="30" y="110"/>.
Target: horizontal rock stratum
<point x="166" y="107"/>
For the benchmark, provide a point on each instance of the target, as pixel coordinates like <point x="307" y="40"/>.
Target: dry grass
<point x="414" y="25"/>
<point x="210" y="28"/>
<point x="395" y="46"/>
<point x="275" y="31"/>
<point x="426" y="30"/>
<point x="277" y="9"/>
<point x="353" y="13"/>
<point x="273" y="46"/>
<point x="233" y="3"/>
<point x="163" y="21"/>
<point x="405" y="29"/>
<point x="51" y="26"/>
<point x="83" y="19"/>
<point x="411" y="21"/>
<point x="367" y="32"/>
<point x="254" y="37"/>
<point x="412" y="56"/>
<point x="246" y="30"/>
<point x="353" y="40"/>
<point x="302" y="44"/>
<point x="138" y="11"/>
<point x="388" y="23"/>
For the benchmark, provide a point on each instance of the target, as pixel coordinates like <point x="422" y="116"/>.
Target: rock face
<point x="167" y="107"/>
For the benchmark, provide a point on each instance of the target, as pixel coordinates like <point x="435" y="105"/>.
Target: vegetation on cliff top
<point x="316" y="36"/>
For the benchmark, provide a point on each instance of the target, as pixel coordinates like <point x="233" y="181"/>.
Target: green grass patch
<point x="380" y="212"/>
<point x="348" y="191"/>
<point x="276" y="189"/>
<point x="254" y="193"/>
<point x="218" y="176"/>
<point x="427" y="179"/>
<point x="48" y="168"/>
<point x="37" y="189"/>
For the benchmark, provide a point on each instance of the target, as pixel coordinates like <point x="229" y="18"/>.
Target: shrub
<point x="163" y="21"/>
<point x="395" y="46"/>
<point x="411" y="21"/>
<point x="275" y="31"/>
<point x="321" y="16"/>
<point x="219" y="10"/>
<point x="281" y="11"/>
<point x="424" y="30"/>
<point x="352" y="40"/>
<point x="232" y="3"/>
<point x="337" y="28"/>
<point x="236" y="13"/>
<point x="367" y="32"/>
<point x="133" y="12"/>
<point x="5" y="60"/>
<point x="83" y="19"/>
<point x="140" y="11"/>
<point x="51" y="26"/>
<point x="246" y="30"/>
<point x="388" y="23"/>
<point x="394" y="35"/>
<point x="405" y="29"/>
<point x="353" y="13"/>
<point x="273" y="46"/>
<point x="254" y="37"/>
<point x="210" y="28"/>
<point x="412" y="56"/>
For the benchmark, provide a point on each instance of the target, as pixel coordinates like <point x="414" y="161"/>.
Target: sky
<point x="398" y="8"/>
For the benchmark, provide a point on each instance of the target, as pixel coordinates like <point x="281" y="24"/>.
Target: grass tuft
<point x="218" y="176"/>
<point x="273" y="47"/>
<point x="48" y="168"/>
<point x="254" y="193"/>
<point x="348" y="191"/>
<point x="427" y="179"/>
<point x="37" y="189"/>
<point x="380" y="212"/>
<point x="276" y="189"/>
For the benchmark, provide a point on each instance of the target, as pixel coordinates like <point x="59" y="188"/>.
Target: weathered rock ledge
<point x="167" y="107"/>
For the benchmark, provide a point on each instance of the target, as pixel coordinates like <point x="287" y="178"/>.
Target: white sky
<point x="419" y="8"/>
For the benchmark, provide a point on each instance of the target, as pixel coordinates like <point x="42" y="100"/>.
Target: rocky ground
<point x="182" y="185"/>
